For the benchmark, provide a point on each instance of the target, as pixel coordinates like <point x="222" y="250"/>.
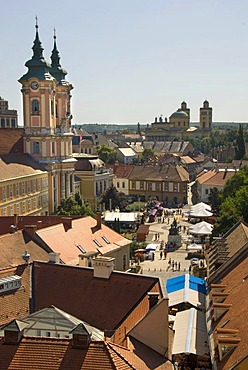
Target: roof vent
<point x="80" y="336"/>
<point x="10" y="283"/>
<point x="13" y="331"/>
<point x="26" y="256"/>
<point x="54" y="257"/>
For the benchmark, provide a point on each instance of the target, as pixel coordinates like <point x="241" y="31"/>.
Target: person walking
<point x="169" y="262"/>
<point x="179" y="266"/>
<point x="172" y="264"/>
<point x="165" y="254"/>
<point x="176" y="266"/>
<point x="161" y="255"/>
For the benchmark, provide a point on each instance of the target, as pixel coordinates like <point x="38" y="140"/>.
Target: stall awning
<point x="151" y="247"/>
<point x="190" y="333"/>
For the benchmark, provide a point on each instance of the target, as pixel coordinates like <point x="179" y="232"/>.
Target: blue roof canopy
<point x="179" y="282"/>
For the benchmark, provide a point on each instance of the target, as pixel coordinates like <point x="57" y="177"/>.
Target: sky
<point x="132" y="60"/>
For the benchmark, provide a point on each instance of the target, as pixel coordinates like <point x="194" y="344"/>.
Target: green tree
<point x="114" y="199"/>
<point x="106" y="154"/>
<point x="147" y="154"/>
<point x="214" y="199"/>
<point x="234" y="205"/>
<point x="74" y="206"/>
<point x="240" y="152"/>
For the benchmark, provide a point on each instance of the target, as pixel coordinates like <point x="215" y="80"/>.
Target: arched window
<point x="35" y="106"/>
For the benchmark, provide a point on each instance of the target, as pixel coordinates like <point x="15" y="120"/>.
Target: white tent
<point x="202" y="228"/>
<point x="194" y="247"/>
<point x="201" y="205"/>
<point x="151" y="247"/>
<point x="200" y="212"/>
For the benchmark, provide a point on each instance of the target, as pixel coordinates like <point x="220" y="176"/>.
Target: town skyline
<point x="132" y="61"/>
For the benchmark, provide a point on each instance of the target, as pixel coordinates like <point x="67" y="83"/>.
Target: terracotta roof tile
<point x="83" y="233"/>
<point x="12" y="247"/>
<point x="11" y="140"/>
<point x="60" y="355"/>
<point x="103" y="303"/>
<point x="173" y="173"/>
<point x="15" y="304"/>
<point x="215" y="178"/>
<point x="237" y="287"/>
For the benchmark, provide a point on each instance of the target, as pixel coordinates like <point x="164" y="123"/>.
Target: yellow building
<point x="23" y="186"/>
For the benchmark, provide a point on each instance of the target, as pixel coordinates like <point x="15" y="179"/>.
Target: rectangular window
<point x="118" y="184"/>
<point x="29" y="187"/>
<point x="11" y="211"/>
<point x="38" y="184"/>
<point x="149" y="186"/>
<point x="13" y="122"/>
<point x="34" y="203"/>
<point x="166" y="186"/>
<point x="36" y="147"/>
<point x="23" y="188"/>
<point x="123" y="185"/>
<point x="133" y="184"/>
<point x="2" y="122"/>
<point x="157" y="186"/>
<point x="175" y="187"/>
<point x="5" y="211"/>
<point x="29" y="205"/>
<point x="53" y="147"/>
<point x="17" y="190"/>
<point x="141" y="185"/>
<point x="4" y="193"/>
<point x="11" y="191"/>
<point x="206" y="191"/>
<point x="17" y="209"/>
<point x="34" y="186"/>
<point x="39" y="202"/>
<point x="23" y="207"/>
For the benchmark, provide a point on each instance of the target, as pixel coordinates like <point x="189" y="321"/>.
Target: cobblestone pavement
<point x="160" y="267"/>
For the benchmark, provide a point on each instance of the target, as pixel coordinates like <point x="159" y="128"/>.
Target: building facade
<point x="8" y="117"/>
<point x="47" y="120"/>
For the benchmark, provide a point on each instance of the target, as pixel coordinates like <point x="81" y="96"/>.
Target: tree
<point x="214" y="199"/>
<point x="234" y="205"/>
<point x="106" y="154"/>
<point x="147" y="154"/>
<point x="113" y="199"/>
<point x="240" y="151"/>
<point x="74" y="206"/>
<point x="138" y="129"/>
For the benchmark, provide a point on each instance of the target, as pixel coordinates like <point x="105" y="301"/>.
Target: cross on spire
<point x="36" y="22"/>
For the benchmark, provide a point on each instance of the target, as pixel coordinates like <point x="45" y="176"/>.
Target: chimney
<point x="30" y="229"/>
<point x="67" y="221"/>
<point x="54" y="257"/>
<point x="99" y="219"/>
<point x="153" y="298"/>
<point x="13" y="331"/>
<point x="103" y="267"/>
<point x="39" y="225"/>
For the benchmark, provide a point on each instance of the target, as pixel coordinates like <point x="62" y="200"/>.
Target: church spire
<point x="37" y="48"/>
<point x="57" y="71"/>
<point x="37" y="66"/>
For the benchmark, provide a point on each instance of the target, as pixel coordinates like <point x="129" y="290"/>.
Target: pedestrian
<point x="165" y="254"/>
<point x="179" y="266"/>
<point x="190" y="267"/>
<point x="169" y="262"/>
<point x="161" y="255"/>
<point x="176" y="266"/>
<point x="172" y="264"/>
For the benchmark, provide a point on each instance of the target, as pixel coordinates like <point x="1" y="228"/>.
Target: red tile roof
<point x="58" y="354"/>
<point x="103" y="303"/>
<point x="215" y="178"/>
<point x="12" y="247"/>
<point x="83" y="233"/>
<point x="122" y="171"/>
<point x="15" y="304"/>
<point x="170" y="171"/>
<point x="237" y="287"/>
<point x="18" y="165"/>
<point x="11" y="140"/>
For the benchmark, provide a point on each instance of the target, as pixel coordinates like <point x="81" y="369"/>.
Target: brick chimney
<point x="67" y="222"/>
<point x="103" y="267"/>
<point x="30" y="229"/>
<point x="99" y="219"/>
<point x="153" y="298"/>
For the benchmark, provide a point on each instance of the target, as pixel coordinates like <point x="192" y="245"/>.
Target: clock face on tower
<point x="34" y="85"/>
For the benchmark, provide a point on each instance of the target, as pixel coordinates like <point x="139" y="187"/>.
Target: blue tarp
<point x="178" y="283"/>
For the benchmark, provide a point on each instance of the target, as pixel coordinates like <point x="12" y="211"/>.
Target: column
<point x="73" y="183"/>
<point x="62" y="184"/>
<point x="67" y="184"/>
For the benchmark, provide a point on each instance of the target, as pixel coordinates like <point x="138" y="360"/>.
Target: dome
<point x="179" y="114"/>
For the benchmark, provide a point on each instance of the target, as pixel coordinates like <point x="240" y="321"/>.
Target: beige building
<point x="206" y="116"/>
<point x="94" y="178"/>
<point x="8" y="117"/>
<point x="23" y="186"/>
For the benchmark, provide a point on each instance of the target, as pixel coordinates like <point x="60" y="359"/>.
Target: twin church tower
<point x="47" y="120"/>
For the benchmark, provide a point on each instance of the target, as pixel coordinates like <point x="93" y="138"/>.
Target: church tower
<point x="206" y="116"/>
<point x="185" y="109"/>
<point x="47" y="120"/>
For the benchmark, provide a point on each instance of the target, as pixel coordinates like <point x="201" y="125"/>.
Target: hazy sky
<point x="132" y="60"/>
